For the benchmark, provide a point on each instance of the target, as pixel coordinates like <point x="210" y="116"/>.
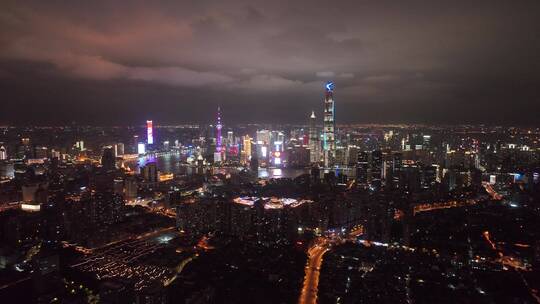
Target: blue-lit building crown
<point x="329" y="86"/>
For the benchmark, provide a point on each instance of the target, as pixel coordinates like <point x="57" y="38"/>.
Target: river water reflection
<point x="175" y="163"/>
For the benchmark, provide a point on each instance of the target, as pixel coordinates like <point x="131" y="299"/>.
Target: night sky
<point x="122" y="62"/>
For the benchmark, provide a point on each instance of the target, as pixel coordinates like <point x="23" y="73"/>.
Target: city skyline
<point x="121" y="217"/>
<point x="251" y="151"/>
<point x="415" y="62"/>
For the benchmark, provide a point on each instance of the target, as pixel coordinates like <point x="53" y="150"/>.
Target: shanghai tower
<point x="329" y="125"/>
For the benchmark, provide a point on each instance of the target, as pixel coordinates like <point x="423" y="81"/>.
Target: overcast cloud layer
<point x="119" y="62"/>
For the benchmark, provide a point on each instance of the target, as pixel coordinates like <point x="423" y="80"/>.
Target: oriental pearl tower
<point x="218" y="130"/>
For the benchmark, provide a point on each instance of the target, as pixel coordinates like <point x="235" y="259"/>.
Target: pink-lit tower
<point x="218" y="129"/>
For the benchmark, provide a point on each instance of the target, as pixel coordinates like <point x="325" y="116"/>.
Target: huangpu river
<point x="175" y="163"/>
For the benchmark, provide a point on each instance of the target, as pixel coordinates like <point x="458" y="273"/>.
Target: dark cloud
<point x="424" y="61"/>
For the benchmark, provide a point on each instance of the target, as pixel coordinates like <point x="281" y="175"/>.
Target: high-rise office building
<point x="135" y="144"/>
<point x="426" y="141"/>
<point x="377" y="168"/>
<point x="7" y="170"/>
<point x="130" y="188"/>
<point x="363" y="168"/>
<point x="150" y="173"/>
<point x="351" y="156"/>
<point x="24" y="150"/>
<point x="149" y="132"/>
<point x="118" y="186"/>
<point x="79" y="145"/>
<point x="55" y="154"/>
<point x="394" y="178"/>
<point x="278" y="139"/>
<point x="428" y="176"/>
<point x="41" y="152"/>
<point x="263" y="146"/>
<point x="263" y="137"/>
<point x="108" y="160"/>
<point x="298" y="156"/>
<point x="246" y="149"/>
<point x="3" y="153"/>
<point x="118" y="149"/>
<point x="314" y="144"/>
<point x="230" y="138"/>
<point x="329" y="144"/>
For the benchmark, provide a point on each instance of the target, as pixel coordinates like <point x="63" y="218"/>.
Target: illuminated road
<point x="443" y="205"/>
<point x="311" y="278"/>
<point x="146" y="235"/>
<point x="516" y="264"/>
<point x="10" y="206"/>
<point x="489" y="189"/>
<point x="179" y="269"/>
<point x="456" y="203"/>
<point x="505" y="260"/>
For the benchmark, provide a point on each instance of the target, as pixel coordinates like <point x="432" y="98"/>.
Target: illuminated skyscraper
<point x="118" y="149"/>
<point x="218" y="130"/>
<point x="230" y="138"/>
<point x="79" y="145"/>
<point x="329" y="144"/>
<point x="246" y="149"/>
<point x="149" y="132"/>
<point x="3" y="153"/>
<point x="219" y="155"/>
<point x="279" y="139"/>
<point x="141" y="148"/>
<point x="263" y="137"/>
<point x="263" y="146"/>
<point x="314" y="153"/>
<point x="135" y="146"/>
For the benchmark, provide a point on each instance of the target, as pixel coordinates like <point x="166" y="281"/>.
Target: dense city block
<point x="203" y="213"/>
